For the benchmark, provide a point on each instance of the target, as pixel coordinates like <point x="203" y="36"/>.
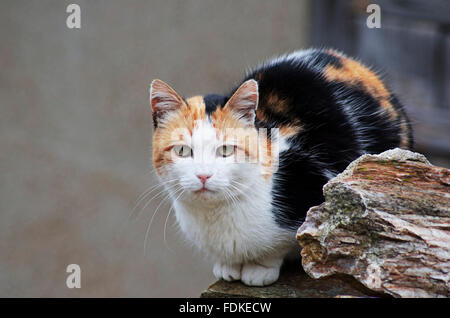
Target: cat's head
<point x="205" y="147"/>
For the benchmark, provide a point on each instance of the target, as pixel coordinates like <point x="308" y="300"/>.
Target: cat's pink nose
<point x="203" y="177"/>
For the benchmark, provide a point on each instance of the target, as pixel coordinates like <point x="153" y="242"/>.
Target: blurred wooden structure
<point x="411" y="51"/>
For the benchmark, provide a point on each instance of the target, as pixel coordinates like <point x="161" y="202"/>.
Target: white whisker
<point x="147" y="233"/>
<point x="167" y="218"/>
<point x="155" y="196"/>
<point x="145" y="194"/>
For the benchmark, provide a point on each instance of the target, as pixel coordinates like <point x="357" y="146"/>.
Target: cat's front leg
<point x="261" y="273"/>
<point x="227" y="272"/>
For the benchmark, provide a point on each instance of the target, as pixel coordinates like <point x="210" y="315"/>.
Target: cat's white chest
<point x="232" y="232"/>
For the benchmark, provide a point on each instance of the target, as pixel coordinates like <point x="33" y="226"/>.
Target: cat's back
<point x="330" y="109"/>
<point x="324" y="88"/>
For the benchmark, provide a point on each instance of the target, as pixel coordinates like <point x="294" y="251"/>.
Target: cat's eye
<point x="225" y="150"/>
<point x="182" y="151"/>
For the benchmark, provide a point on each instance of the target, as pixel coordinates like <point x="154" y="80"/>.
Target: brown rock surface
<point x="386" y="222"/>
<point x="293" y="283"/>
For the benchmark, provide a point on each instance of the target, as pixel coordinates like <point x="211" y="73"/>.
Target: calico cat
<point x="243" y="168"/>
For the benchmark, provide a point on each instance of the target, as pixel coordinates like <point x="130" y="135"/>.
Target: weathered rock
<point x="386" y="222"/>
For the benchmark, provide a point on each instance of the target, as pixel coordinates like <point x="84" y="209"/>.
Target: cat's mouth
<point x="203" y="191"/>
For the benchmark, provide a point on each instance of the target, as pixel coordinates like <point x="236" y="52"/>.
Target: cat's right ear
<point x="163" y="100"/>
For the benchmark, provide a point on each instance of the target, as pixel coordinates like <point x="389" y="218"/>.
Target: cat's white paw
<point x="227" y="272"/>
<point x="259" y="275"/>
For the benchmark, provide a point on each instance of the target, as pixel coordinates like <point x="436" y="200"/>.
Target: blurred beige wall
<point x="75" y="133"/>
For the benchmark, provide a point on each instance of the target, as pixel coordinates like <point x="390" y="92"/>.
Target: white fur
<point x="239" y="234"/>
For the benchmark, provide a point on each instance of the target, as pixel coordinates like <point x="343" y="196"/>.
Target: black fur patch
<point x="212" y="101"/>
<point x="339" y="123"/>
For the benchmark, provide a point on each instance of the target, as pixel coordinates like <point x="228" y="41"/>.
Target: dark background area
<point x="411" y="51"/>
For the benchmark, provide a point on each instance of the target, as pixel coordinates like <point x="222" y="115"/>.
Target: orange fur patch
<point x="275" y="103"/>
<point x="356" y="74"/>
<point x="196" y="106"/>
<point x="229" y="127"/>
<point x="289" y="131"/>
<point x="255" y="147"/>
<point x="194" y="112"/>
<point x="184" y="120"/>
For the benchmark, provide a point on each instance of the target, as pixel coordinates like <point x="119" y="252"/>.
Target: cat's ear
<point x="163" y="100"/>
<point x="244" y="102"/>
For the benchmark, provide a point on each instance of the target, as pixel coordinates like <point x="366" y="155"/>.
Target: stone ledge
<point x="293" y="283"/>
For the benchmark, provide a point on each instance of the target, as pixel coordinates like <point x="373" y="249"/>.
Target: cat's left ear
<point x="163" y="100"/>
<point x="244" y="102"/>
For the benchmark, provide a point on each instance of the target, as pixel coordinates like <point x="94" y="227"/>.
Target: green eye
<point x="225" y="150"/>
<point x="182" y="151"/>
